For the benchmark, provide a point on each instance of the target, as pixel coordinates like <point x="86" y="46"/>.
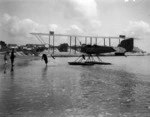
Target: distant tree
<point x="3" y="44"/>
<point x="63" y="47"/>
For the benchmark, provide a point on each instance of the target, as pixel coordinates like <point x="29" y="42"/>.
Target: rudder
<point x="127" y="44"/>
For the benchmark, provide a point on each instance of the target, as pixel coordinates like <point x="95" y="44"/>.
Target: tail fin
<point x="127" y="44"/>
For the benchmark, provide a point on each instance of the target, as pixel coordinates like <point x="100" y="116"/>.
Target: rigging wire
<point x="42" y="39"/>
<point x="38" y="38"/>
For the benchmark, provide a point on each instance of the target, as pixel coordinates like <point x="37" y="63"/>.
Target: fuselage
<point x="94" y="49"/>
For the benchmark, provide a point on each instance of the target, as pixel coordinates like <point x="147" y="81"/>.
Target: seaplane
<point x="91" y="53"/>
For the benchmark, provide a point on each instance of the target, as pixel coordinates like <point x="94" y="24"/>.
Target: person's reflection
<point x="47" y="81"/>
<point x="5" y="67"/>
<point x="44" y="72"/>
<point x="12" y="69"/>
<point x="12" y="72"/>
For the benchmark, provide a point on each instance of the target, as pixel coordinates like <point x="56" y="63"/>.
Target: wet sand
<point x="33" y="89"/>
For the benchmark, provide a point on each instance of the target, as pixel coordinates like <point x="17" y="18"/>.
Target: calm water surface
<point x="59" y="90"/>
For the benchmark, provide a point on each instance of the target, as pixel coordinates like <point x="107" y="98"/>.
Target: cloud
<point x="128" y="0"/>
<point x="137" y="28"/>
<point x="84" y="12"/>
<point x="87" y="8"/>
<point x="53" y="27"/>
<point x="78" y="8"/>
<point x="13" y="26"/>
<point x="74" y="29"/>
<point x="15" y="30"/>
<point x="93" y="27"/>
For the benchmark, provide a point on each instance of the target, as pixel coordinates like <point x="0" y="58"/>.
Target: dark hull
<point x="100" y="63"/>
<point x="88" y="63"/>
<point x="119" y="54"/>
<point x="80" y="63"/>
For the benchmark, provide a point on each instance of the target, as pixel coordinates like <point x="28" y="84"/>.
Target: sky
<point x="18" y="18"/>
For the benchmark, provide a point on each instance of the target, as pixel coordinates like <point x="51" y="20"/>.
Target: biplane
<point x="91" y="52"/>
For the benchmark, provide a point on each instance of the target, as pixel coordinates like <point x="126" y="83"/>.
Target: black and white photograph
<point x="74" y="58"/>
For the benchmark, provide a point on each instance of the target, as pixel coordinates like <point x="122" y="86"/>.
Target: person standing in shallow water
<point x="5" y="60"/>
<point x="12" y="57"/>
<point x="6" y="57"/>
<point x="44" y="57"/>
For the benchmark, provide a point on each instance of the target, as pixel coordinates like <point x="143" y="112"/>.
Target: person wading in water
<point x="12" y="57"/>
<point x="44" y="57"/>
<point x="5" y="60"/>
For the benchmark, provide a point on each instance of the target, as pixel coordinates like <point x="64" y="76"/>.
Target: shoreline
<point x="70" y="55"/>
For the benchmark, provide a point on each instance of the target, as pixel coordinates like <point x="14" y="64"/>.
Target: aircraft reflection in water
<point x="95" y="50"/>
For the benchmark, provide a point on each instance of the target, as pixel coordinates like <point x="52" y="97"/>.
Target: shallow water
<point x="59" y="90"/>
